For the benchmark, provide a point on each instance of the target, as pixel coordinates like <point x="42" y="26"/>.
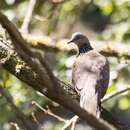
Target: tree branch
<point x="49" y="112"/>
<point x="39" y="79"/>
<point x="28" y="16"/>
<point x="14" y="125"/>
<point x="23" y="119"/>
<point x="109" y="96"/>
<point x="13" y="63"/>
<point x="118" y="50"/>
<point x="53" y="91"/>
<point x="71" y="122"/>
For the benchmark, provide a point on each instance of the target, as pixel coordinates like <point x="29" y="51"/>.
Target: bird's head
<point x="79" y="39"/>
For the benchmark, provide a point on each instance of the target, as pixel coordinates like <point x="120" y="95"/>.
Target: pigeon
<point x="90" y="75"/>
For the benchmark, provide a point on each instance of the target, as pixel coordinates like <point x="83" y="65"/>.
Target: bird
<point x="90" y="74"/>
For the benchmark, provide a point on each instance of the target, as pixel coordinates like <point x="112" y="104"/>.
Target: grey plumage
<point x="90" y="75"/>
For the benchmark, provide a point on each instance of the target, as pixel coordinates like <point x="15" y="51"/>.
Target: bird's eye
<point x="77" y="37"/>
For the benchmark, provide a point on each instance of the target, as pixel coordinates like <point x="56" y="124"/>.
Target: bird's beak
<point x="70" y="41"/>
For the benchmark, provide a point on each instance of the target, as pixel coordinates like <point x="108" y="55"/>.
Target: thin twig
<point x="68" y="123"/>
<point x="48" y="112"/>
<point x="109" y="96"/>
<point x="35" y="119"/>
<point x="28" y="16"/>
<point x="15" y="125"/>
<point x="74" y="124"/>
<point x="71" y="122"/>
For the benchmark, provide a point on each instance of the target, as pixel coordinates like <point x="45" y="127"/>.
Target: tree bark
<point x="18" y="62"/>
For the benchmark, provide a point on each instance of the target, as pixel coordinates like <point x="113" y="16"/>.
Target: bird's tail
<point x="89" y="100"/>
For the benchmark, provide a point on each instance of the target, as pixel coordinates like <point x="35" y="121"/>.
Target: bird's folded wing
<point x="89" y="71"/>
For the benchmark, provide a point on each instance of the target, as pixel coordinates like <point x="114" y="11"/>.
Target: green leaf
<point x="124" y="103"/>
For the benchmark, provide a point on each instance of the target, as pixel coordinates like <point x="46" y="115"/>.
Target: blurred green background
<point x="100" y="20"/>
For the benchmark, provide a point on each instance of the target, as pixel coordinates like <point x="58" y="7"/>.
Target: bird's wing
<point x="90" y="77"/>
<point x="91" y="69"/>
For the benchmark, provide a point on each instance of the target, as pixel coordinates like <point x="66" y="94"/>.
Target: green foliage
<point x="104" y="19"/>
<point x="124" y="103"/>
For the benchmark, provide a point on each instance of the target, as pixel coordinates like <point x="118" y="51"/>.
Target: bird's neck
<point x="85" y="48"/>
